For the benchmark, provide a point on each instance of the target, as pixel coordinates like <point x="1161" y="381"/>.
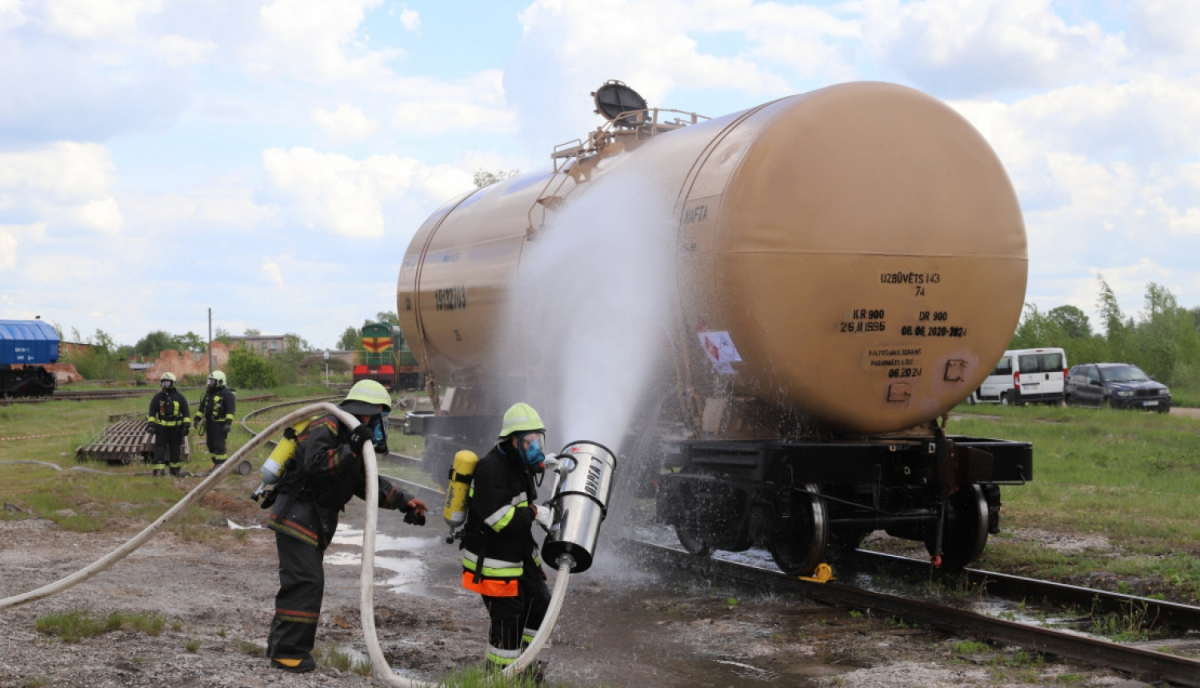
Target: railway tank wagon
<point x="850" y="263"/>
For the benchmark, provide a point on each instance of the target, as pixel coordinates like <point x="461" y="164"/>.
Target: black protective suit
<point x="168" y="418"/>
<point x="317" y="483"/>
<point x="500" y="556"/>
<point x="216" y="413"/>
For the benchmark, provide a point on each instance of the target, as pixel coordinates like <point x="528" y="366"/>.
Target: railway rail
<point x="1141" y="662"/>
<point x="1179" y="616"/>
<point x="90" y="395"/>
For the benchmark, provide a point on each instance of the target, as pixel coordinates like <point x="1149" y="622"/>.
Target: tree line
<point x="1162" y="339"/>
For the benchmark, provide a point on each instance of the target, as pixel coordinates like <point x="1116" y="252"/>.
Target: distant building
<point x="260" y="343"/>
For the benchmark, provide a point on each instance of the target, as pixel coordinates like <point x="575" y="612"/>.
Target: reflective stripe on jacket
<point x="499" y="525"/>
<point x="168" y="409"/>
<point x="217" y="406"/>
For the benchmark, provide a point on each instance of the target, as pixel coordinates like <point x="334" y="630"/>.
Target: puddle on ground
<point x="402" y="557"/>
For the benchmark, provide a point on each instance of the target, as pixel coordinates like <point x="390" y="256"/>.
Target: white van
<point x="1025" y="376"/>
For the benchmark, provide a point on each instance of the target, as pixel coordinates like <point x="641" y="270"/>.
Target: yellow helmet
<point x="167" y="376"/>
<point x="365" y="398"/>
<point x="520" y="417"/>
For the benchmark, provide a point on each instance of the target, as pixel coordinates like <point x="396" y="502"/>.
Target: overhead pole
<point x="210" y="351"/>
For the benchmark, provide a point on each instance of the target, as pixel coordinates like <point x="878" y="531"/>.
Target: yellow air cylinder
<point x="458" y="489"/>
<point x="273" y="467"/>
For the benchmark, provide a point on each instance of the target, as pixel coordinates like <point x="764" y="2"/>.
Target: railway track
<point x="1018" y="588"/>
<point x="1141" y="662"/>
<point x="90" y="395"/>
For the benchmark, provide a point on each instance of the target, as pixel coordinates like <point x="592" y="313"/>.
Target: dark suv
<point x="1119" y="385"/>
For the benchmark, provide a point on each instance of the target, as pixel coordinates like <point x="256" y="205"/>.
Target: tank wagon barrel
<point x="849" y="265"/>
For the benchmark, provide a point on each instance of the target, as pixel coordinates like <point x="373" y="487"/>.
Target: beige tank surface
<point x="855" y="255"/>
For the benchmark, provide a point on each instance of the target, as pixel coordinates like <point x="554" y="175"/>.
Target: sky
<point x="271" y="159"/>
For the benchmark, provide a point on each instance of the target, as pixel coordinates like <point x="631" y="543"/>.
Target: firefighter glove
<point x="545" y="518"/>
<point x="359" y="437"/>
<point x="196" y="422"/>
<point x="228" y="426"/>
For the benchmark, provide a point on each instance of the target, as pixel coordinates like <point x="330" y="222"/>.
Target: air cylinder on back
<point x="581" y="501"/>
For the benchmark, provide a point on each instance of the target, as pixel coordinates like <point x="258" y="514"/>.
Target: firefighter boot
<point x="174" y="471"/>
<point x="294" y="665"/>
<point x="157" y="473"/>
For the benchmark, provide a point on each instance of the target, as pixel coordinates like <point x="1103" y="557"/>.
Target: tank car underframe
<point x="29" y="381"/>
<point x="800" y="499"/>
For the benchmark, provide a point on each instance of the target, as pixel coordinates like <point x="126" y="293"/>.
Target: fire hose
<point x="569" y="556"/>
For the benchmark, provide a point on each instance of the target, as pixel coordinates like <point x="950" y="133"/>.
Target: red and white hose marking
<point x="34" y="437"/>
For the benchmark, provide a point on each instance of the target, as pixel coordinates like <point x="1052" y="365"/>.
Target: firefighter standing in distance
<point x="500" y="557"/>
<point x="214" y="418"/>
<point x="168" y="419"/>
<point x="324" y="473"/>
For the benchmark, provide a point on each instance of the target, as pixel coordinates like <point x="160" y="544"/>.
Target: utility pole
<point x="210" y="351"/>
<point x="327" y="367"/>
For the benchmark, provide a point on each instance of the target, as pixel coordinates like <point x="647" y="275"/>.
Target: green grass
<point x="1181" y="396"/>
<point x="77" y="625"/>
<point x="191" y="645"/>
<point x="971" y="647"/>
<point x="89" y="502"/>
<point x="1131" y="477"/>
<point x="479" y="677"/>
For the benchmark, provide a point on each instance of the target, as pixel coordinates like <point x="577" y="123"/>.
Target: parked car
<point x="1025" y="376"/>
<point x="1119" y="385"/>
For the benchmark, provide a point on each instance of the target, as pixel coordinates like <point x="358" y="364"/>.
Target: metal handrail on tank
<point x="645" y="123"/>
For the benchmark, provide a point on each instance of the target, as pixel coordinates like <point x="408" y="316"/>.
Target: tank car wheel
<point x="693" y="540"/>
<point x="965" y="531"/>
<point x="801" y="532"/>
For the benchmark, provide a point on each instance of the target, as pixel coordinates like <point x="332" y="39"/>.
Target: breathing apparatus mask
<point x="378" y="424"/>
<point x="530" y="448"/>
<point x="166" y="384"/>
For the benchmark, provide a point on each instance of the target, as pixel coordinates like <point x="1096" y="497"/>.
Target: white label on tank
<point x="721" y="351"/>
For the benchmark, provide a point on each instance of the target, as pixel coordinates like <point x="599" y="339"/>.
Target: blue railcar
<point x="28" y="345"/>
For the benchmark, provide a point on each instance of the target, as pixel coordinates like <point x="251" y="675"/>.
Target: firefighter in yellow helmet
<point x="168" y="419"/>
<point x="214" y="418"/>
<point x="500" y="556"/>
<point x="325" y="472"/>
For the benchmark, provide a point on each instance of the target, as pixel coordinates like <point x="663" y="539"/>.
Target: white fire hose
<point x="367" y="578"/>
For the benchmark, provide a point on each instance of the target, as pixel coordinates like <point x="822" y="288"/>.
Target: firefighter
<point x="168" y="419"/>
<point x="500" y="558"/>
<point x="214" y="418"/>
<point x="324" y="473"/>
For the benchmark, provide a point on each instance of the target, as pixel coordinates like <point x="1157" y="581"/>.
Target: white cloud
<point x="66" y="183"/>
<point x="964" y="48"/>
<point x="431" y="106"/>
<point x="336" y="192"/>
<point x="271" y="270"/>
<point x="346" y="123"/>
<point x="1167" y="28"/>
<point x="411" y="20"/>
<point x="570" y="47"/>
<point x="315" y="40"/>
<point x="10" y="240"/>
<point x="98" y="19"/>
<point x="11" y="15"/>
<point x="218" y="206"/>
<point x="178" y="51"/>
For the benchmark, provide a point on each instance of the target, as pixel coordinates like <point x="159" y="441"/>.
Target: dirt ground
<point x="620" y="626"/>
